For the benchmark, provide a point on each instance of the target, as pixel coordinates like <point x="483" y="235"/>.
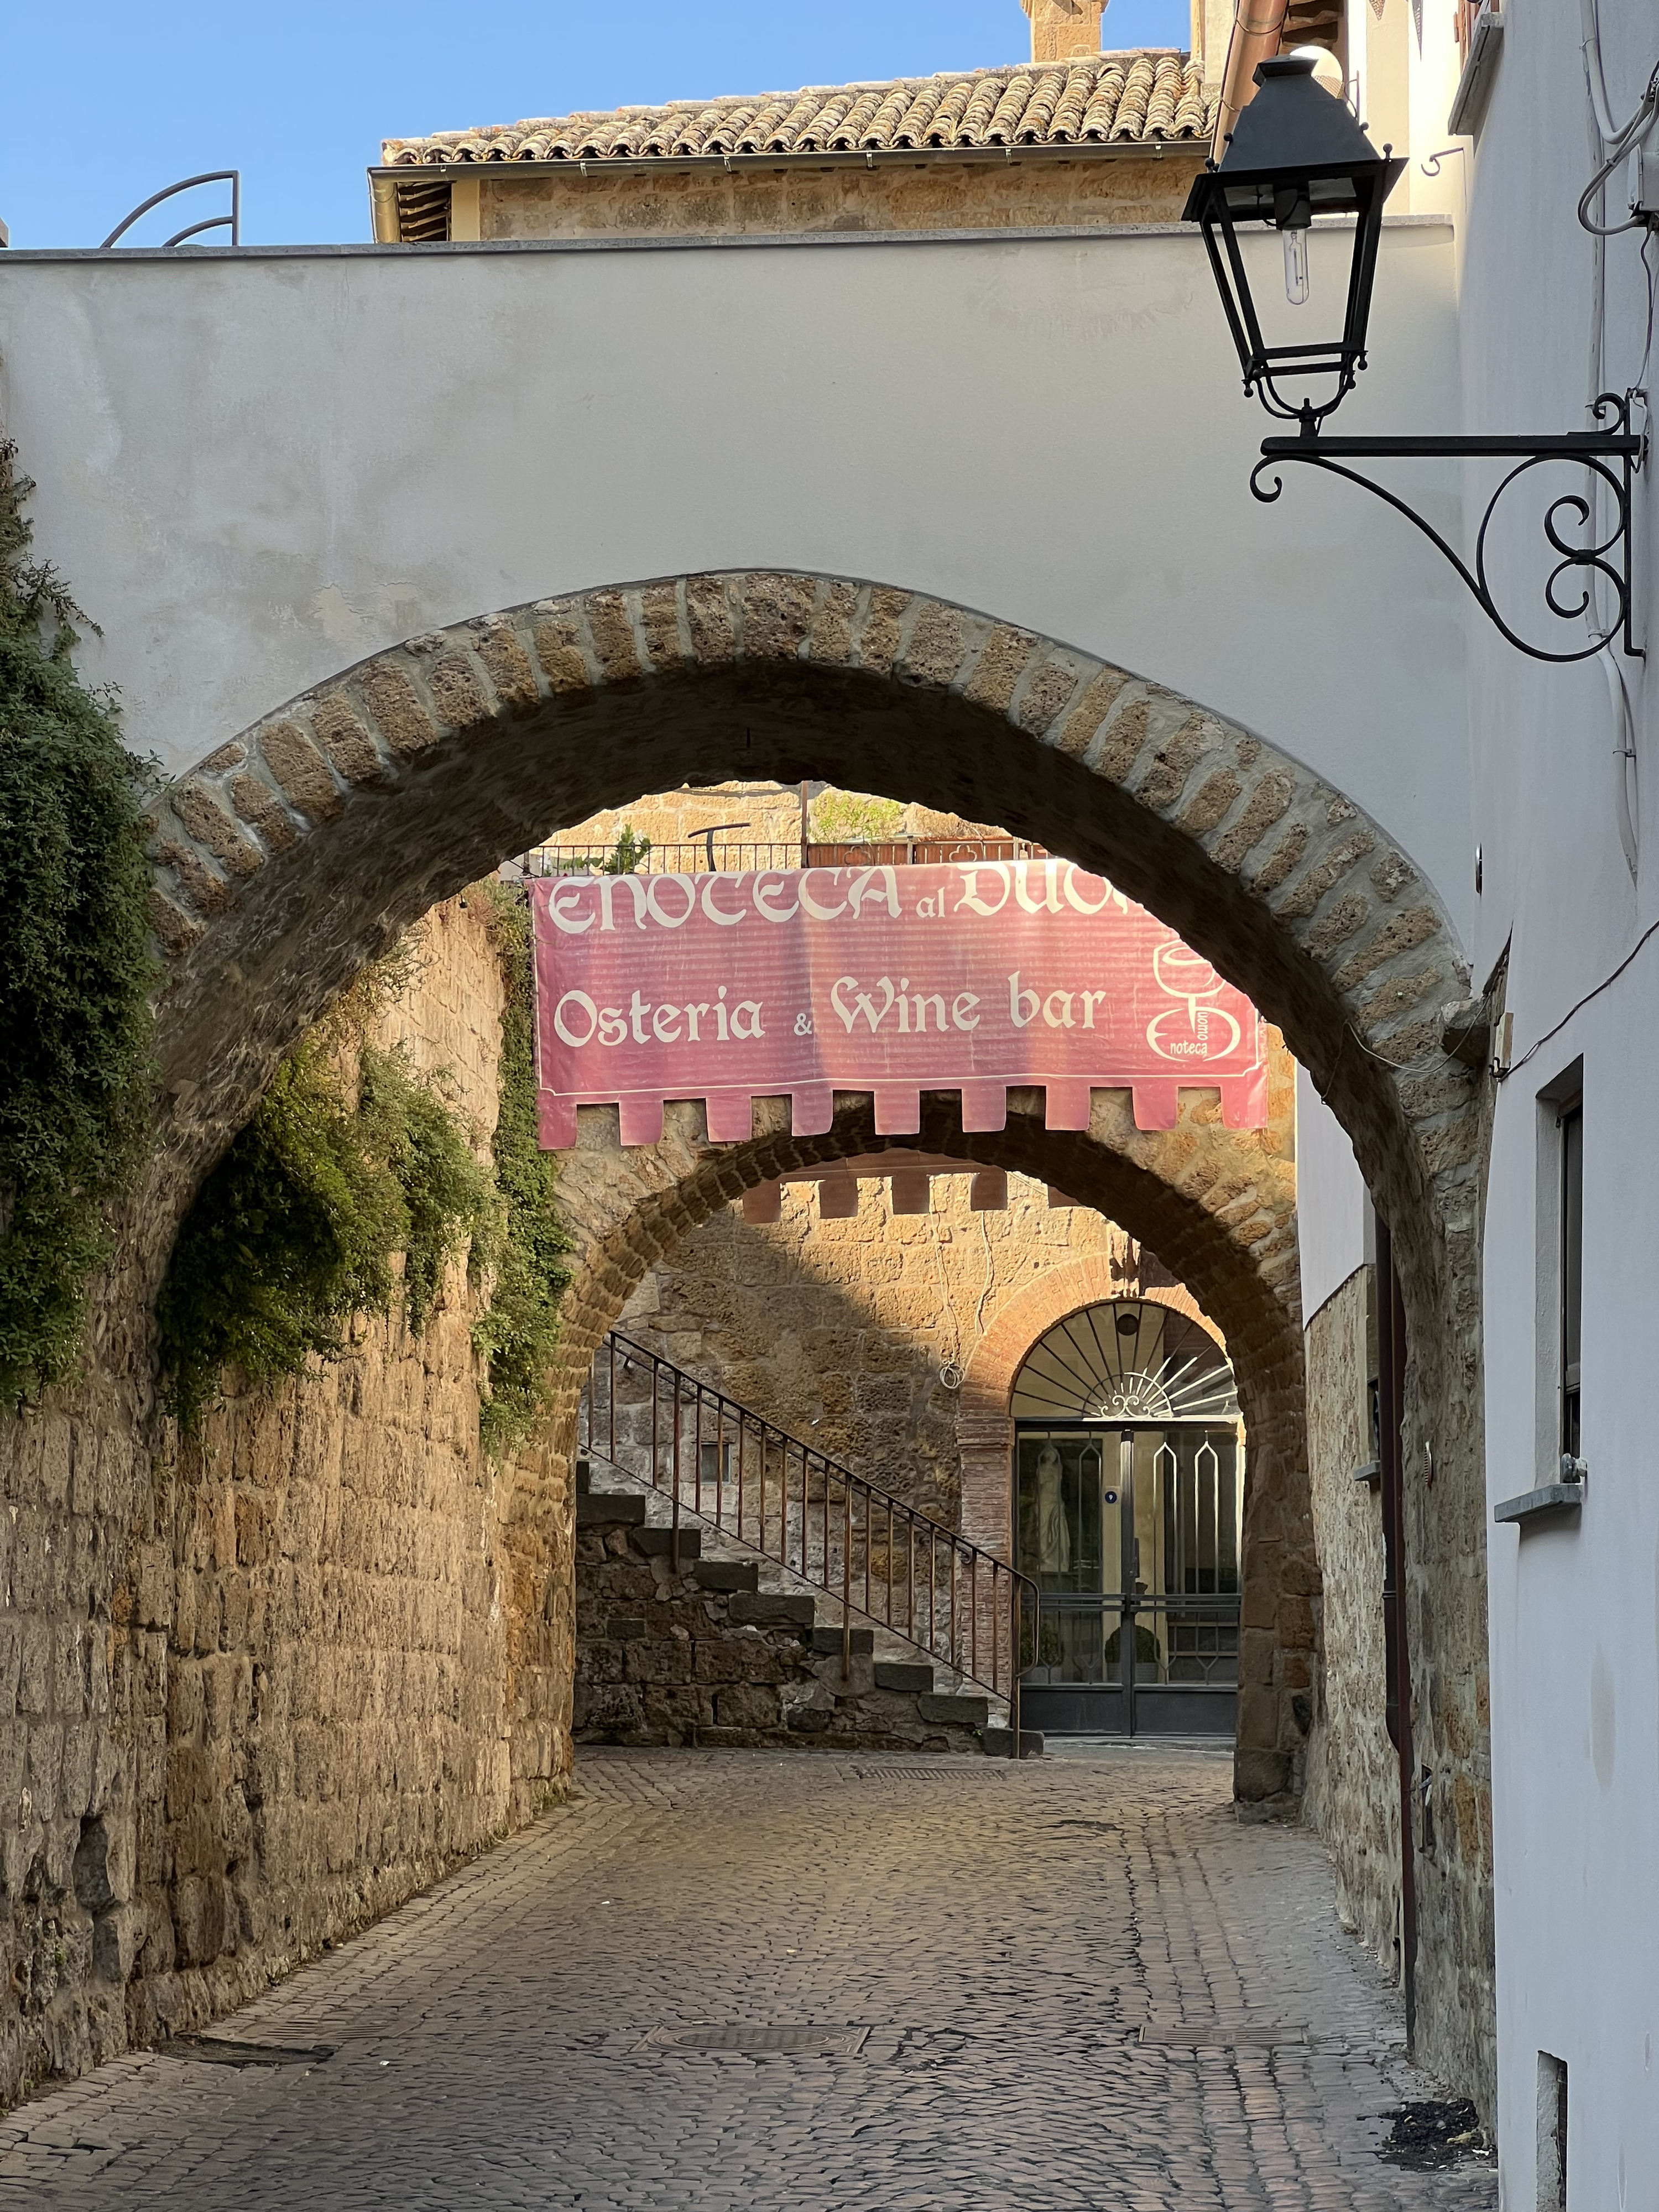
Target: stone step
<point x="819" y="1615"/>
<point x="915" y="1677"/>
<point x="959" y="1712"/>
<point x="610" y="1510"/>
<point x="766" y="1609"/>
<point x="1000" y="1743"/>
<point x="584" y="1476"/>
<point x="728" y="1574"/>
<point x="827" y="1641"/>
<point x="659" y="1543"/>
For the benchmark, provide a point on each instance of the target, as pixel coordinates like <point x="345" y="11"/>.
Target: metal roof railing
<point x="698" y="856"/>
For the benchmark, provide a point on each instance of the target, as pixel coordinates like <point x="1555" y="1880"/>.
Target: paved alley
<point x="1078" y="1983"/>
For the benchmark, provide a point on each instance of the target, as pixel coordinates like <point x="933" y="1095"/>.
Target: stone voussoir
<point x="1254" y="826"/>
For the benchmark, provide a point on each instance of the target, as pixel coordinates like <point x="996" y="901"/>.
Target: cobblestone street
<point x="1078" y="1983"/>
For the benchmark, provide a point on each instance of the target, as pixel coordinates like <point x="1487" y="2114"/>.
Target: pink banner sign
<point x="970" y="977"/>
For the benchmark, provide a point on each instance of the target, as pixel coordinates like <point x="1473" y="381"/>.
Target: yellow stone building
<point x="1075" y="137"/>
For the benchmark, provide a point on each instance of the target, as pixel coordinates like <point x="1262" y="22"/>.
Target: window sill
<point x="1554" y="1502"/>
<point x="1371" y="1475"/>
<point x="1474" y="86"/>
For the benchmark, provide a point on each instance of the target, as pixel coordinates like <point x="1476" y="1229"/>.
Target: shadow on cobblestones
<point x="724" y="1979"/>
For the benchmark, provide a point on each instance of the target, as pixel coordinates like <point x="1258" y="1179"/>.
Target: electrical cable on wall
<point x="1611" y="145"/>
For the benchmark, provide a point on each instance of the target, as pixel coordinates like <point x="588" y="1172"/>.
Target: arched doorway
<point x="1193" y="1194"/>
<point x="302" y="845"/>
<point x="1128" y="1476"/>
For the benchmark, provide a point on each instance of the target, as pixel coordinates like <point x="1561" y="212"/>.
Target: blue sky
<point x="108" y="103"/>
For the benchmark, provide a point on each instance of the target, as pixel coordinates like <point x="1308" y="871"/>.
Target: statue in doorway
<point x="1054" y="1535"/>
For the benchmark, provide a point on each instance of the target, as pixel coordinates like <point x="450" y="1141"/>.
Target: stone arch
<point x="301" y="846"/>
<point x="1217" y="1205"/>
<point x="297" y="848"/>
<point x="985" y="1426"/>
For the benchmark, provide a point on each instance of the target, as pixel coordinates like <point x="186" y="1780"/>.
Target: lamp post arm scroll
<point x="1611" y="457"/>
<point x="1297" y="151"/>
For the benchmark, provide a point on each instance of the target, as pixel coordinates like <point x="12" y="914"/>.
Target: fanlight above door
<point x="1128" y="1360"/>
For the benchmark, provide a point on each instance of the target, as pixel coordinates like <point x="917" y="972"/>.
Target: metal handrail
<point x="959" y="1604"/>
<point x="704" y="853"/>
<point x="231" y="222"/>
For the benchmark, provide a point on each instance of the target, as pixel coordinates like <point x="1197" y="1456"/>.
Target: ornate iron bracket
<point x="1610" y="458"/>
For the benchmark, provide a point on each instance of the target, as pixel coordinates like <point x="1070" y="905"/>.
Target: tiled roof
<point x="1131" y="99"/>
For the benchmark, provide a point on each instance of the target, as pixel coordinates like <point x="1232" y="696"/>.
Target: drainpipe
<point x="382" y="206"/>
<point x="1258" y="26"/>
<point x="1397" y="1664"/>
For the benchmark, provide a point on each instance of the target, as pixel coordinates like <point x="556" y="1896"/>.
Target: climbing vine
<point x="518" y="1331"/>
<point x="74" y="966"/>
<point x="299" y="1226"/>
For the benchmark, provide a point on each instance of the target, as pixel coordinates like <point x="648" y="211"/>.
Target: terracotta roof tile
<point x="1130" y="99"/>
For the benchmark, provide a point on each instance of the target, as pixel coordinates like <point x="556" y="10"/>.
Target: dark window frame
<point x="1569" y="1264"/>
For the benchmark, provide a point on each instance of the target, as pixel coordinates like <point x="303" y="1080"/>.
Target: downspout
<point x="1258" y="26"/>
<point x="1396" y="1647"/>
<point x="382" y="206"/>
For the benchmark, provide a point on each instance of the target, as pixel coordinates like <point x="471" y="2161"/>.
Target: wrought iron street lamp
<point x="1297" y="152"/>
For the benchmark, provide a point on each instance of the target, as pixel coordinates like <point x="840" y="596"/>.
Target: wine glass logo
<point x="1190" y="1030"/>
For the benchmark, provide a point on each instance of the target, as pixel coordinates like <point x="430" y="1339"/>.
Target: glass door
<point x="1131" y="1533"/>
<point x="1069" y="1542"/>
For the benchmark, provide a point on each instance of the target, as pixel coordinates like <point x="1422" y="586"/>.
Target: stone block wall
<point x="699" y="1655"/>
<point x="931" y="195"/>
<point x="855" y="1335"/>
<point x="266" y="1683"/>
<point x="1353" y="1780"/>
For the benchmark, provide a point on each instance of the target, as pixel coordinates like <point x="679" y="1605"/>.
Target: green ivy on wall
<point x="518" y="1332"/>
<point x="75" y="966"/>
<point x="299" y="1226"/>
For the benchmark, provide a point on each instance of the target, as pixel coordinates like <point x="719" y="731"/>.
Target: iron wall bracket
<point x="1610" y="458"/>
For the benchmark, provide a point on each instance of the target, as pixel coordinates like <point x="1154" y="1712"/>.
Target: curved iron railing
<point x="231" y="222"/>
<point x="774" y="1495"/>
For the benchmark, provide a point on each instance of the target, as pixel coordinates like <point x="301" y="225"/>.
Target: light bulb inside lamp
<point x="1296" y="265"/>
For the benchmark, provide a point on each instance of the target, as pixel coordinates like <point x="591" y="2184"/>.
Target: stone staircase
<point x="723" y="1653"/>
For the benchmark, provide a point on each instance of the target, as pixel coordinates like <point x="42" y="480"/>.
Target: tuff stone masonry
<point x="301" y="846"/>
<point x="860" y="1333"/>
<point x="703" y="1655"/>
<point x="1215" y="1212"/>
<point x="893" y="1341"/>
<point x="267" y="1683"/>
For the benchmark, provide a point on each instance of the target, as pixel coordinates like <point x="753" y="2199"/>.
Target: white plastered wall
<point x="255" y="469"/>
<point x="1574" y="1608"/>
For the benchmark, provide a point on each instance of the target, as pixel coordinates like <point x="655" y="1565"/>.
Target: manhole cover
<point x="219" y="2051"/>
<point x="1222" y="2035"/>
<point x="804" y="2042"/>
